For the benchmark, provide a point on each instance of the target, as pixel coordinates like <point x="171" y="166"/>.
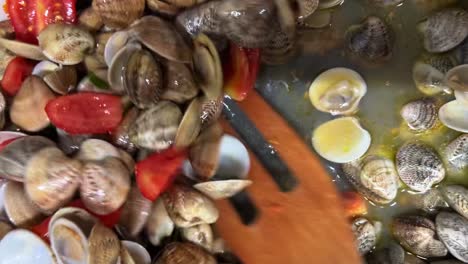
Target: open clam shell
<point x="457" y="78"/>
<point x="217" y="190"/>
<point x="135" y="213"/>
<point x="119" y="13"/>
<point x="159" y="224"/>
<point x="104" y="245"/>
<point x="79" y="216"/>
<point x="137" y="253"/>
<point x="62" y="80"/>
<point x="23" y="246"/>
<point x="116" y="42"/>
<point x="207" y="66"/>
<point x="118" y="65"/>
<point x="19" y="209"/>
<point x="453" y="115"/>
<point x="420" y="115"/>
<point x="201" y="235"/>
<point x="190" y="125"/>
<point x="69" y="241"/>
<point x="23" y="49"/>
<point x="97" y="149"/>
<point x="180" y="84"/>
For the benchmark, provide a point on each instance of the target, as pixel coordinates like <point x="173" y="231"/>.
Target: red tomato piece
<point x="354" y="204"/>
<point x="15" y="73"/>
<point x="85" y="113"/>
<point x="42" y="229"/>
<point x="240" y="71"/>
<point x="109" y="220"/>
<point x="155" y="173"/>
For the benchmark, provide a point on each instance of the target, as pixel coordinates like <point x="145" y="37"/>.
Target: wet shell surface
<point x="204" y="153"/>
<point x="137" y="253"/>
<point x="22" y="49"/>
<point x="65" y="44"/>
<point x="419" y="167"/>
<point x="371" y="40"/>
<point x="453" y="115"/>
<point x="365" y="234"/>
<point x="211" y="110"/>
<point x="217" y="190"/>
<point x="456" y="78"/>
<point x="420" y="115"/>
<point x="429" y="72"/>
<point x="187" y="253"/>
<point x="97" y="149"/>
<point x="180" y="84"/>
<point x="456" y="152"/>
<point x="207" y="67"/>
<point x="374" y="177"/>
<point x="62" y="80"/>
<point x="444" y="30"/>
<point x="159" y="224"/>
<point x="135" y="213"/>
<point x="417" y="234"/>
<point x="118" y="67"/>
<point x="119" y="13"/>
<point x="116" y="42"/>
<point x="68" y="241"/>
<point x="23" y="246"/>
<point x="190" y="125"/>
<point x="201" y="235"/>
<point x="452" y="230"/>
<point x="104" y="245"/>
<point x="457" y="197"/>
<point x="390" y="254"/>
<point x="337" y="91"/>
<point x="341" y="140"/>
<point x="121" y="137"/>
<point x="19" y="209"/>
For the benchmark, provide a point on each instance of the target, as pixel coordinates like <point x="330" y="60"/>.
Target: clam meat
<point x="420" y="115"/>
<point x="452" y="230"/>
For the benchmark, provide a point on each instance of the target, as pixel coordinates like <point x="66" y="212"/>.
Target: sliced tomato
<point x="85" y="113"/>
<point x="15" y="73"/>
<point x="109" y="220"/>
<point x="240" y="71"/>
<point x="155" y="173"/>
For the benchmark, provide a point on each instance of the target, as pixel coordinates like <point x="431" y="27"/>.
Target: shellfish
<point x="453" y="115"/>
<point x="159" y="225"/>
<point x="187" y="253"/>
<point x="429" y="72"/>
<point x="366" y="234"/>
<point x="119" y="13"/>
<point x="420" y="115"/>
<point x="457" y="152"/>
<point x="457" y="197"/>
<point x="452" y="230"/>
<point x="23" y="246"/>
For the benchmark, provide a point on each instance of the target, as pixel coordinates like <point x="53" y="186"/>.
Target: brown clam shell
<point x="222" y="189"/>
<point x="20" y="210"/>
<point x="97" y="149"/>
<point x="135" y="213"/>
<point x="186" y="253"/>
<point x="211" y="110"/>
<point x="204" y="153"/>
<point x="159" y="224"/>
<point x="180" y="84"/>
<point x="90" y="19"/>
<point x="201" y="235"/>
<point x="190" y="125"/>
<point x="119" y="13"/>
<point x="121" y="137"/>
<point x="162" y="7"/>
<point x="104" y="245"/>
<point x="62" y="80"/>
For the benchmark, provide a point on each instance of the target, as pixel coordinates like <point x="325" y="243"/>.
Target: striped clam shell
<point x="104" y="245"/>
<point x="420" y="115"/>
<point x="452" y="229"/>
<point x="365" y="234"/>
<point x="457" y="197"/>
<point x="119" y="13"/>
<point x="456" y="152"/>
<point x="210" y="110"/>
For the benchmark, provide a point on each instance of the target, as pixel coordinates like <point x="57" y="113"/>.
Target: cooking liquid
<point x="390" y="86"/>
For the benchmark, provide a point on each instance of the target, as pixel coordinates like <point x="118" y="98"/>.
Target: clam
<point x="23" y="49"/>
<point x="97" y="149"/>
<point x="101" y="40"/>
<point x="15" y="156"/>
<point x="90" y="19"/>
<point x="118" y="66"/>
<point x="143" y="80"/>
<point x="319" y="19"/>
<point x="457" y="197"/>
<point x="161" y="37"/>
<point x="137" y="254"/>
<point x="207" y="67"/>
<point x="337" y="91"/>
<point x="325" y="4"/>
<point x="390" y="254"/>
<point x="187" y="253"/>
<point x="366" y="234"/>
<point x="452" y="230"/>
<point x="5" y="57"/>
<point x="135" y="213"/>
<point x="116" y="42"/>
<point x="453" y="115"/>
<point x="69" y="144"/>
<point x="372" y="39"/>
<point x="211" y="110"/>
<point x="23" y="246"/>
<point x="162" y="7"/>
<point x="119" y="13"/>
<point x="44" y="67"/>
<point x="104" y="245"/>
<point x="78" y="216"/>
<point x="95" y="67"/>
<point x="201" y="235"/>
<point x="188" y="207"/>
<point x="444" y="30"/>
<point x="217" y="190"/>
<point x="429" y="71"/>
<point x="28" y="107"/>
<point x="417" y="234"/>
<point x="180" y="84"/>
<point x="156" y="128"/>
<point x="121" y="137"/>
<point x="3" y="105"/>
<point x="105" y="185"/>
<point x="306" y="7"/>
<point x="190" y="125"/>
<point x="430" y="201"/>
<point x="456" y="78"/>
<point x="461" y="96"/>
<point x="204" y="153"/>
<point x="420" y="115"/>
<point x="51" y="179"/>
<point x="62" y="80"/>
<point x="341" y="140"/>
<point x="457" y="152"/>
<point x="419" y="166"/>
<point x="19" y="209"/>
<point x="374" y="177"/>
<point x="127" y="159"/>
<point x="159" y="225"/>
<point x="65" y="44"/>
<point x="386" y="3"/>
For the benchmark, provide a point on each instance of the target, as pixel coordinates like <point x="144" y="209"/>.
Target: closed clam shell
<point x="430" y="201"/>
<point x="20" y="210"/>
<point x="62" y="80"/>
<point x="207" y="66"/>
<point x="159" y="224"/>
<point x="22" y="49"/>
<point x="118" y="65"/>
<point x="15" y="156"/>
<point x="372" y="39"/>
<point x="69" y="242"/>
<point x="137" y="253"/>
<point x="105" y="185"/>
<point x="444" y="30"/>
<point x="187" y="253"/>
<point x="211" y="110"/>
<point x="121" y="137"/>
<point x="23" y="246"/>
<point x="205" y="16"/>
<point x="456" y="78"/>
<point x="419" y="167"/>
<point x="204" y="153"/>
<point x="452" y="230"/>
<point x="97" y="149"/>
<point x="365" y="234"/>
<point x="28" y="107"/>
<point x="374" y="177"/>
<point x="417" y="234"/>
<point x="156" y="128"/>
<point x="457" y="197"/>
<point x="201" y="235"/>
<point x="188" y="207"/>
<point x="65" y="44"/>
<point x="161" y="37"/>
<point x="180" y="84"/>
<point x="5" y="57"/>
<point x="51" y="179"/>
<point x="135" y="213"/>
<point x="222" y="189"/>
<point x="115" y="43"/>
<point x="390" y="254"/>
<point x="420" y="115"/>
<point x="190" y="125"/>
<point x="90" y="19"/>
<point x="119" y="13"/>
<point x="453" y="115"/>
<point x="104" y="245"/>
<point x="456" y="152"/>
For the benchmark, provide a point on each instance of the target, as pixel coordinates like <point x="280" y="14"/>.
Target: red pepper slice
<point x="15" y="73"/>
<point x="240" y="71"/>
<point x="85" y="113"/>
<point x="155" y="173"/>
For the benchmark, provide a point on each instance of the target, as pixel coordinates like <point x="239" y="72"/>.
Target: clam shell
<point x="159" y="224"/>
<point x="207" y="67"/>
<point x="69" y="144"/>
<point x="20" y="210"/>
<point x="105" y="185"/>
<point x="180" y="84"/>
<point x="457" y="197"/>
<point x="457" y="79"/>
<point x="190" y="125"/>
<point x="116" y="42"/>
<point x="420" y="115"/>
<point x="156" y="128"/>
<point x="417" y="234"/>
<point x="3" y="105"/>
<point x="306" y="7"/>
<point x="281" y="47"/>
<point x="5" y="57"/>
<point x="90" y="19"/>
<point x="65" y="44"/>
<point x="127" y="159"/>
<point x="135" y="213"/>
<point x="456" y="152"/>
<point x="138" y="253"/>
<point x="23" y="246"/>
<point x="428" y="79"/>
<point x="51" y="179"/>
<point x="453" y="115"/>
<point x="205" y="16"/>
<point x="328" y="140"/>
<point x="444" y="30"/>
<point x="187" y="207"/>
<point x="372" y="39"/>
<point x="104" y="245"/>
<point x="430" y="201"/>
<point x="15" y="156"/>
<point x="162" y="7"/>
<point x="374" y="177"/>
<point x="337" y="91"/>
<point x="118" y="66"/>
<point x="121" y="137"/>
<point x="390" y="254"/>
<point x="161" y="37"/>
<point x="319" y="19"/>
<point x="419" y="166"/>
<point x="62" y="80"/>
<point x="187" y="253"/>
<point x="461" y="96"/>
<point x="387" y="3"/>
<point x="69" y="242"/>
<point x="201" y="235"/>
<point x="211" y="110"/>
<point x="217" y="190"/>
<point x="28" y="107"/>
<point x="325" y="4"/>
<point x="78" y="216"/>
<point x="23" y="49"/>
<point x="365" y="234"/>
<point x="119" y="13"/>
<point x="204" y="153"/>
<point x="452" y="230"/>
<point x="97" y="149"/>
<point x="101" y="40"/>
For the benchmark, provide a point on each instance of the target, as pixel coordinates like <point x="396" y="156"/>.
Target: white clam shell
<point x="115" y="43"/>
<point x="23" y="246"/>
<point x="454" y="115"/>
<point x="69" y="243"/>
<point x="138" y="253"/>
<point x="159" y="224"/>
<point x="217" y="190"/>
<point x="44" y="67"/>
<point x="462" y="97"/>
<point x="457" y="78"/>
